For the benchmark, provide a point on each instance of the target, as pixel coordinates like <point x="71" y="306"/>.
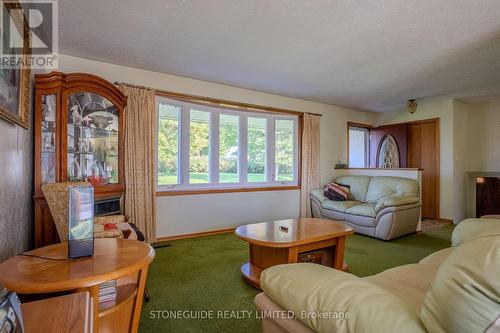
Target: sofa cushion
<point x="337" y="192"/>
<point x="395" y="200"/>
<point x="465" y="295"/>
<point x="436" y="259"/>
<point x="412" y="296"/>
<point x="363" y="210"/>
<point x="383" y="186"/>
<point x="309" y="289"/>
<point x="470" y="229"/>
<point x="339" y="206"/>
<point x="358" y="184"/>
<point x="418" y="276"/>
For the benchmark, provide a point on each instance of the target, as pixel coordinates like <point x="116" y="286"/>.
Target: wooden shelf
<point x="124" y="294"/>
<point x="62" y="314"/>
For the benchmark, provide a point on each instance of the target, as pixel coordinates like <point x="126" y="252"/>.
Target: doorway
<point x="423" y="153"/>
<point x="415" y="145"/>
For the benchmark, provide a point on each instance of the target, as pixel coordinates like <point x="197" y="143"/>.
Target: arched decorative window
<point x="388" y="153"/>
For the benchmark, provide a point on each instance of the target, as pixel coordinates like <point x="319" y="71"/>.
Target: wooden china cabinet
<point x="79" y="136"/>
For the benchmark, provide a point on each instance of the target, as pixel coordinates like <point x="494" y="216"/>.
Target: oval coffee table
<point x="291" y="241"/>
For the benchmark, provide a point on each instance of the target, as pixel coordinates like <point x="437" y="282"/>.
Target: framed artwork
<point x="15" y="81"/>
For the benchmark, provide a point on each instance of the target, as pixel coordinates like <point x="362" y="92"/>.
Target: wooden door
<point x="377" y="136"/>
<point x="423" y="153"/>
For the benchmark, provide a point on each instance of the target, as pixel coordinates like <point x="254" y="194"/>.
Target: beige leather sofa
<point x="453" y="290"/>
<point x="379" y="206"/>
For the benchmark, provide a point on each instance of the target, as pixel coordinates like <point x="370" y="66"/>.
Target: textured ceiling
<point x="365" y="54"/>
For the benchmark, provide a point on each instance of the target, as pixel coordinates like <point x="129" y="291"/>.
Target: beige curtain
<point x="140" y="166"/>
<point x="310" y="161"/>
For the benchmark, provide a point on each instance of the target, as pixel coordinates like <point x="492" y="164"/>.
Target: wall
<point x="461" y="159"/>
<point x="16" y="189"/>
<point x="197" y="213"/>
<point x="484" y="139"/>
<point x="469" y="141"/>
<point x="442" y="109"/>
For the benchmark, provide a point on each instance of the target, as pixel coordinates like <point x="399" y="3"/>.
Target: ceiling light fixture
<point x="411" y="105"/>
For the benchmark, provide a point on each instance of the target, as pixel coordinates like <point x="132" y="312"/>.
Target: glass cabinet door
<point x="48" y="138"/>
<point x="92" y="139"/>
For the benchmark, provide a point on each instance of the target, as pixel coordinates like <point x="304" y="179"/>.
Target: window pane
<point x="168" y="143"/>
<point x="228" y="148"/>
<point x="357" y="148"/>
<point x="257" y="149"/>
<point x="284" y="150"/>
<point x="199" y="146"/>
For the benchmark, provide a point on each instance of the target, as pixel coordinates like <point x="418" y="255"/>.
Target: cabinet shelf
<point x="94" y="129"/>
<point x="124" y="294"/>
<point x="81" y="153"/>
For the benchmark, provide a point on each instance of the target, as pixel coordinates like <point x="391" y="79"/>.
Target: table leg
<point x="94" y="293"/>
<point x="293" y="254"/>
<point x="138" y="300"/>
<point x="338" y="257"/>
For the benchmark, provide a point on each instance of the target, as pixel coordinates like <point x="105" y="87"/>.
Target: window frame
<point x="366" y="129"/>
<point x="214" y="185"/>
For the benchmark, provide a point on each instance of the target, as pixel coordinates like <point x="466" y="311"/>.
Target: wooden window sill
<point x="225" y="190"/>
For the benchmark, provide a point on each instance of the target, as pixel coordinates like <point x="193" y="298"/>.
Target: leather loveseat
<point x="378" y="206"/>
<point x="453" y="290"/>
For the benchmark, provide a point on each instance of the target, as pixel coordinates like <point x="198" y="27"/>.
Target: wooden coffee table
<point x="271" y="245"/>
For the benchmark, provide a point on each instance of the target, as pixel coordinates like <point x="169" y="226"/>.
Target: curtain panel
<point x="310" y="177"/>
<point x="140" y="165"/>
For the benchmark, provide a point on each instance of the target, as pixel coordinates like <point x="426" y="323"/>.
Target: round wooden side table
<point x="48" y="270"/>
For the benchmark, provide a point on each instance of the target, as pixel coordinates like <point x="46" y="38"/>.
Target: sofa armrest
<point x="329" y="300"/>
<point x="396" y="200"/>
<point x="317" y="194"/>
<point x="470" y="229"/>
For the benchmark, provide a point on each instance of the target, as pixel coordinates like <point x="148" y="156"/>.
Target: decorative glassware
<point x="95" y="122"/>
<point x="97" y="174"/>
<point x="48" y="138"/>
<point x="75" y="171"/>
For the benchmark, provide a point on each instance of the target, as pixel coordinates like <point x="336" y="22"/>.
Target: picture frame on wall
<point x="15" y="80"/>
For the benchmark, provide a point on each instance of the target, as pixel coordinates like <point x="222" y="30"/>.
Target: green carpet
<point x="203" y="274"/>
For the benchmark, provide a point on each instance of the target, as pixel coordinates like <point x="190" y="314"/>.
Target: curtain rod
<point x="210" y="100"/>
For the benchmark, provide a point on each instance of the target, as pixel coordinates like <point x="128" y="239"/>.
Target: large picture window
<point x="210" y="147"/>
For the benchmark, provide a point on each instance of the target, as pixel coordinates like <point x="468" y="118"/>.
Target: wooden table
<point x="47" y="270"/>
<point x="270" y="245"/>
<point x="64" y="314"/>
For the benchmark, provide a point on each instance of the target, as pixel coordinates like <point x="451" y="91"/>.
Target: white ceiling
<point x="365" y="54"/>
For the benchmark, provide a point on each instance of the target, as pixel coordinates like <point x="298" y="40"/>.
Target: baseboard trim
<point x="445" y="220"/>
<point x="195" y="234"/>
